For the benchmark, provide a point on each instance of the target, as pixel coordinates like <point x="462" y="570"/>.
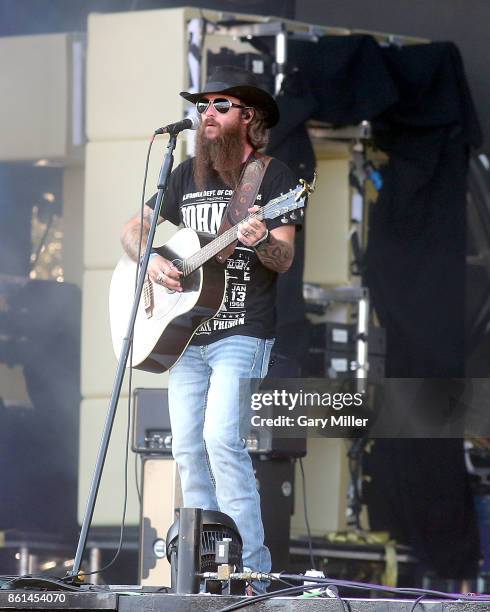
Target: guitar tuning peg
<point x="283" y="219"/>
<point x="293" y="216"/>
<point x="302" y="212"/>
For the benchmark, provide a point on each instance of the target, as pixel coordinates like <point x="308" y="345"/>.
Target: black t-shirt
<point x="249" y="305"/>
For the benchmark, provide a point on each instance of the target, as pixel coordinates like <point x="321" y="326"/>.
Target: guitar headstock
<point x="286" y="203"/>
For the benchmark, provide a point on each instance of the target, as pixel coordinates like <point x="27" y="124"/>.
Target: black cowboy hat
<point x="241" y="84"/>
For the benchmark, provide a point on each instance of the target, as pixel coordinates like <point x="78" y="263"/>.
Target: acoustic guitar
<point x="167" y="320"/>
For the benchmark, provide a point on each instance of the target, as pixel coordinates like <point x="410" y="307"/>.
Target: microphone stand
<point x="123" y="359"/>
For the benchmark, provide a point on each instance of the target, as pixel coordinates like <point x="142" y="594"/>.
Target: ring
<point x="246" y="234"/>
<point x="160" y="276"/>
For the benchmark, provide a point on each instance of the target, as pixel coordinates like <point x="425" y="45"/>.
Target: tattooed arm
<point x="160" y="270"/>
<point x="277" y="251"/>
<point x="130" y="236"/>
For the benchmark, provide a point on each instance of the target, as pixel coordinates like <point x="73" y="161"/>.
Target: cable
<point x="249" y="601"/>
<point x="417" y="601"/>
<point x="333" y="589"/>
<point x="400" y="591"/>
<point x="308" y="530"/>
<point x="279" y="579"/>
<point x="137" y="479"/>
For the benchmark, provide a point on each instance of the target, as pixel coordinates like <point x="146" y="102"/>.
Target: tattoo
<point x="131" y="235"/>
<point x="275" y="254"/>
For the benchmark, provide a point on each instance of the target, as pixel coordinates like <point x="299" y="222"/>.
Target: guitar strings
<point x="195" y="261"/>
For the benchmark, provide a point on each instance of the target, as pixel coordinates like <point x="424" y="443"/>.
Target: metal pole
<point x="189" y="550"/>
<point x="281" y="58"/>
<point x="121" y="366"/>
<point x="362" y="341"/>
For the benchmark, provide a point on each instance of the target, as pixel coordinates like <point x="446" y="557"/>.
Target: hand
<point x="163" y="272"/>
<point x="250" y="232"/>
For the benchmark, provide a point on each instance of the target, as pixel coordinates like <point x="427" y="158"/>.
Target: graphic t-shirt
<point x="249" y="305"/>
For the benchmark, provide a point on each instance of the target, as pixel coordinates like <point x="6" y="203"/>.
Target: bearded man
<point x="209" y="418"/>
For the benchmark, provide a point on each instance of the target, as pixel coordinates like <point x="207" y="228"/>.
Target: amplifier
<point x="152" y="433"/>
<point x="151" y="422"/>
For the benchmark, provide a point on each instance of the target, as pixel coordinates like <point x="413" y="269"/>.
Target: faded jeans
<point x="209" y="430"/>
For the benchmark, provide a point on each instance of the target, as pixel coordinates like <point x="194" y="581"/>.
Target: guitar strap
<point x="243" y="197"/>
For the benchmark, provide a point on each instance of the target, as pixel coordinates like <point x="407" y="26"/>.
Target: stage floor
<point x="132" y="601"/>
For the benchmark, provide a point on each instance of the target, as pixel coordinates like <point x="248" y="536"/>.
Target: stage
<point x="132" y="601"/>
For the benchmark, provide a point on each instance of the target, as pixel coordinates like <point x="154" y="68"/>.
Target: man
<point x="209" y="423"/>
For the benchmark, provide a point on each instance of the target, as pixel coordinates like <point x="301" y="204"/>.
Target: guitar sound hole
<point x="190" y="282"/>
<point x="178" y="263"/>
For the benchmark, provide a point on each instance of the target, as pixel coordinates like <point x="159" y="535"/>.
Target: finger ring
<point x="246" y="234"/>
<point x="160" y="276"/>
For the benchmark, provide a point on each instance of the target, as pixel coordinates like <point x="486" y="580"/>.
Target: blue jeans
<point x="209" y="427"/>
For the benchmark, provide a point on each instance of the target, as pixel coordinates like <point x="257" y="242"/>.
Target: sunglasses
<point x="222" y="105"/>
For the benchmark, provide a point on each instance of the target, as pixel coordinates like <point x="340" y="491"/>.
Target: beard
<point x="219" y="157"/>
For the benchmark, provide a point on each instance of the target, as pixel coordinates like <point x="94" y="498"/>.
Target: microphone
<point x="189" y="123"/>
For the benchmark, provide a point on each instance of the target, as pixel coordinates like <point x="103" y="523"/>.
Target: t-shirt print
<point x="203" y="212"/>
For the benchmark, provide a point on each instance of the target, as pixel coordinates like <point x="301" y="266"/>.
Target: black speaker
<point x="275" y="483"/>
<point x="152" y="433"/>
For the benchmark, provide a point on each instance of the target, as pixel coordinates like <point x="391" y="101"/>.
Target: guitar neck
<point x="285" y="203"/>
<point x="214" y="247"/>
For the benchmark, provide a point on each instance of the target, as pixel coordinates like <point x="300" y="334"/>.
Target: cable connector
<point x="329" y="590"/>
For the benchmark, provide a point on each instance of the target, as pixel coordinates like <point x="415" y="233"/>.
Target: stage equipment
<point x="275" y="483"/>
<point x="160" y="496"/>
<point x="318" y="299"/>
<point x="151" y="422"/>
<point x="260" y="64"/>
<point x="202" y="541"/>
<point x="272" y="459"/>
<point x="152" y="434"/>
<point x="160" y="485"/>
<point x="332" y="352"/>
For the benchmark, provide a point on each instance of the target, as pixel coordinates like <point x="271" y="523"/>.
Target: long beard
<point x="221" y="156"/>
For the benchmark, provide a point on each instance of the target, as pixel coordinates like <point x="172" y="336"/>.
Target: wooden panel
<point x="34" y="96"/>
<point x="135" y="70"/>
<point x="327" y="226"/>
<point x="109" y="506"/>
<point x="113" y="184"/>
<point x="326" y="475"/>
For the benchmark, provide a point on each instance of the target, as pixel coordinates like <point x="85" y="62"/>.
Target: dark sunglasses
<point x="222" y="105"/>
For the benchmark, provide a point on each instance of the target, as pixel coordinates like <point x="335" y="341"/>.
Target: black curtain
<point x="419" y="104"/>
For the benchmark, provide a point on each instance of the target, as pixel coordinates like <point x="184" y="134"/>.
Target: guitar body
<point x="166" y="321"/>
